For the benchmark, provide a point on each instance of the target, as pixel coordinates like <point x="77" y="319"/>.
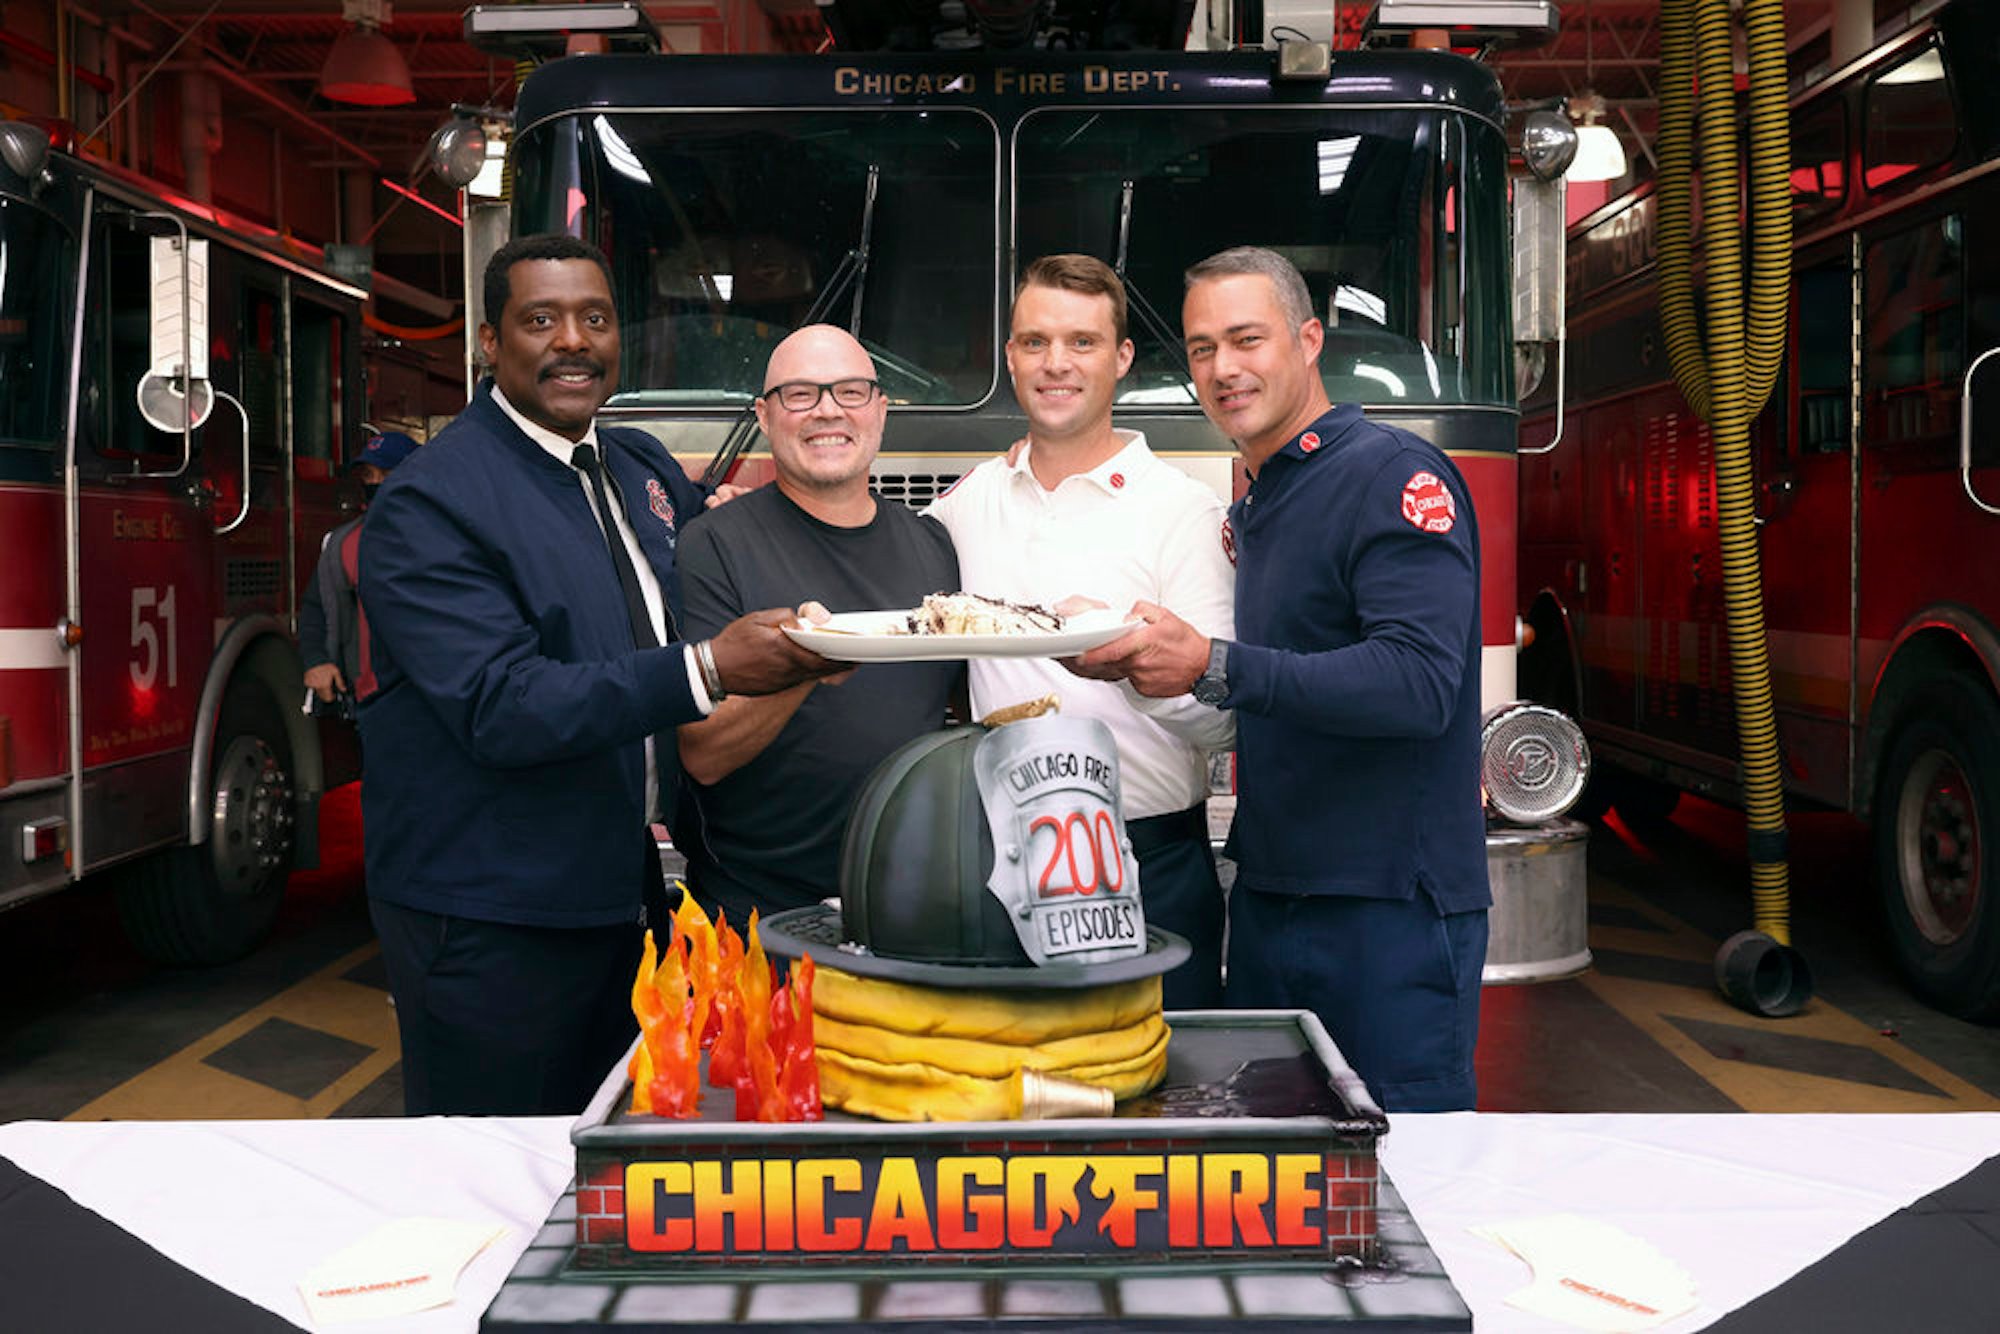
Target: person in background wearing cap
<point x="1360" y="838"/>
<point x="1087" y="510"/>
<point x="333" y="635"/>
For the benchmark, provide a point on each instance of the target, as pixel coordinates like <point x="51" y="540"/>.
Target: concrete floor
<point x="90" y="1030"/>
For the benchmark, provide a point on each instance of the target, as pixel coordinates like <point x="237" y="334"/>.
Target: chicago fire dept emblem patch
<point x="660" y="503"/>
<point x="1428" y="505"/>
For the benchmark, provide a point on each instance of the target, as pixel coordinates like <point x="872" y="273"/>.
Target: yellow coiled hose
<point x="1728" y="382"/>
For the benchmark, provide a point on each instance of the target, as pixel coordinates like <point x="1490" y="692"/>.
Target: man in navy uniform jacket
<point x="519" y="577"/>
<point x="1360" y="837"/>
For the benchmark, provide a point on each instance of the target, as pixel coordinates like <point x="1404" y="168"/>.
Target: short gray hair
<point x="1255" y="260"/>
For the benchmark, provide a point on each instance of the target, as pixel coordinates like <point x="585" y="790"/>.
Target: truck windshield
<point x="1376" y="208"/>
<point x="35" y="256"/>
<point x="725" y="229"/>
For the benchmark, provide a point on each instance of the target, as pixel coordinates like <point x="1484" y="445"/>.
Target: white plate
<point x="866" y="636"/>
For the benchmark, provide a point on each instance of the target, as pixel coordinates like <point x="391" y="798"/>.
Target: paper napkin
<point x="1593" y="1275"/>
<point x="409" y="1265"/>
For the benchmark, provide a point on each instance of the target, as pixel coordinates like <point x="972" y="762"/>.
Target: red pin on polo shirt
<point x="1428" y="505"/>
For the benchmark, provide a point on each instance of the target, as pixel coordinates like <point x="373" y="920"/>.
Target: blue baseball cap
<point x="385" y="451"/>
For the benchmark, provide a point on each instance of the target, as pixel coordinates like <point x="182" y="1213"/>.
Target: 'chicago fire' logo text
<point x="1038" y="1204"/>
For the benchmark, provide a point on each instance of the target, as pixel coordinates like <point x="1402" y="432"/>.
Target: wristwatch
<point x="1212" y="686"/>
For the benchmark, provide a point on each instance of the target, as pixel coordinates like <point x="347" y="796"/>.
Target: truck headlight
<point x="1533" y="762"/>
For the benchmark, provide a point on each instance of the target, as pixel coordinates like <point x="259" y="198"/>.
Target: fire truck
<point x="176" y="402"/>
<point x="898" y="192"/>
<point x="1878" y="489"/>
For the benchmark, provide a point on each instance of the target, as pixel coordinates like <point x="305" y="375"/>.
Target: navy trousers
<point x="503" y="1020"/>
<point x="1178" y="885"/>
<point x="1395" y="982"/>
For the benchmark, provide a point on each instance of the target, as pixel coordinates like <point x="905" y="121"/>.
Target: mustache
<point x="571" y="365"/>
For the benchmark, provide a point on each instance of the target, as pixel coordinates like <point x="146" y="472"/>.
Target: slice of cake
<point x="971" y="614"/>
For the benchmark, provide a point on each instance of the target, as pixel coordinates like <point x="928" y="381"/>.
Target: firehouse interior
<point x="1735" y="463"/>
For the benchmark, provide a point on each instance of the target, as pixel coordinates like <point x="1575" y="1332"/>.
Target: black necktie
<point x="666" y="766"/>
<point x="585" y="458"/>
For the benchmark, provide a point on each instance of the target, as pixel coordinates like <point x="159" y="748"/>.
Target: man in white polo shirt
<point x="1087" y="509"/>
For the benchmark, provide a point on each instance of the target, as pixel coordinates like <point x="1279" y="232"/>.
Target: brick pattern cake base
<point x="1244" y="1191"/>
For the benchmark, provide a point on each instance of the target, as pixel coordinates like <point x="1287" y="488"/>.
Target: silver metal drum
<point x="1539" y="928"/>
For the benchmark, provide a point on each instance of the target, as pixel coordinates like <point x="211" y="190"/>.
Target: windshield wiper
<point x="1136" y="299"/>
<point x="853" y="268"/>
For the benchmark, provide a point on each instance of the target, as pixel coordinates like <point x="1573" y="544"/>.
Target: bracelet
<point x="711" y="679"/>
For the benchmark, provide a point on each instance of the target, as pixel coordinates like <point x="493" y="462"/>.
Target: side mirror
<point x="174" y="394"/>
<point x="1540" y="272"/>
<point x="175" y="391"/>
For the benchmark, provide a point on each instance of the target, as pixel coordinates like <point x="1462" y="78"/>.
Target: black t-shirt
<point x="773" y="827"/>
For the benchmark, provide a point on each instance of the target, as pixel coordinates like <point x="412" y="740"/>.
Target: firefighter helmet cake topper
<point x="981" y="857"/>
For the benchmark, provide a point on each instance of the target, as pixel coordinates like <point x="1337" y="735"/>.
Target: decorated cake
<point x="988" y="981"/>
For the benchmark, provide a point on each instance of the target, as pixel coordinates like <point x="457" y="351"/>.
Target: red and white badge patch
<point x="1229" y="541"/>
<point x="659" y="502"/>
<point x="1308" y="442"/>
<point x="1428" y="505"/>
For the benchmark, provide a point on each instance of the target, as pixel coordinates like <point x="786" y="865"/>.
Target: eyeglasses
<point x="804" y="395"/>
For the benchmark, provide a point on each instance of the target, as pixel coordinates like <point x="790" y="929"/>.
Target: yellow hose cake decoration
<point x="912" y="1053"/>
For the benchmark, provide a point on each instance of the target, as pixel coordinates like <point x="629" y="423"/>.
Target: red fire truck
<point x="1878" y="490"/>
<point x="897" y="193"/>
<point x="176" y="400"/>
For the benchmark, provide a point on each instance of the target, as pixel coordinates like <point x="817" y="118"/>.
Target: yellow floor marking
<point x="1758" y="1088"/>
<point x="184" y="1088"/>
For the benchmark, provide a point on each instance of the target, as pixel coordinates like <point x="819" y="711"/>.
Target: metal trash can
<point x="1539" y="926"/>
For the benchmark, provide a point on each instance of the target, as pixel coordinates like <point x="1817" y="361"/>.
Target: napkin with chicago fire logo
<point x="1593" y="1275"/>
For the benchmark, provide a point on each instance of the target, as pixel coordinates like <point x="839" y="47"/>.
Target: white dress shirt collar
<point x="559" y="448"/>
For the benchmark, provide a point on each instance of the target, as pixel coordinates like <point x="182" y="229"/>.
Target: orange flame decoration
<point x="708" y="990"/>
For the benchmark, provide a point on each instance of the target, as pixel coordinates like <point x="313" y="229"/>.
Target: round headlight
<point x="24" y="148"/>
<point x="456" y="151"/>
<point x="1532" y="761"/>
<point x="1548" y="143"/>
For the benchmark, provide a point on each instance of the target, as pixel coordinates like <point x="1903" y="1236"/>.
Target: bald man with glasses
<point x="773" y="777"/>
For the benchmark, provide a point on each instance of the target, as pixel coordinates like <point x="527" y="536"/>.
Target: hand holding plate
<point x="754" y="655"/>
<point x="1161" y="657"/>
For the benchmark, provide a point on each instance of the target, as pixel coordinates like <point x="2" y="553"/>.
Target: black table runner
<point x="63" y="1267"/>
<point x="1932" y="1267"/>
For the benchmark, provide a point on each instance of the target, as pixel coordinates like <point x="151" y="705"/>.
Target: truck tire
<point x="1937" y="846"/>
<point x="212" y="902"/>
<point x="1644" y="804"/>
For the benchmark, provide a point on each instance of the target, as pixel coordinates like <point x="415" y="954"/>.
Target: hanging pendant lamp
<point x="364" y="68"/>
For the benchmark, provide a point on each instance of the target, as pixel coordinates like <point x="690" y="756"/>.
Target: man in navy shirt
<point x="1361" y="888"/>
<point x="520" y="582"/>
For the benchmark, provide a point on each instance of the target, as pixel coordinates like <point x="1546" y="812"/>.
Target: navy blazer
<point x="504" y="758"/>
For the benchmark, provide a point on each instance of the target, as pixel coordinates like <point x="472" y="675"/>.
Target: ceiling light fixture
<point x="364" y="68"/>
<point x="1599" y="154"/>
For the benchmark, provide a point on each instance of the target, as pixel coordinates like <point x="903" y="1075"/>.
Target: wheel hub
<point x="252" y="831"/>
<point x="1939" y="832"/>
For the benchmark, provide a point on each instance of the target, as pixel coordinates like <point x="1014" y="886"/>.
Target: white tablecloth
<point x="1741" y="1202"/>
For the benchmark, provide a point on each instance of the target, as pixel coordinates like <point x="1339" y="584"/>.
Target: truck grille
<point x="915" y="489"/>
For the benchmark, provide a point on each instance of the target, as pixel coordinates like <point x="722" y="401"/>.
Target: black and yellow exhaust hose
<point x="1727" y="381"/>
